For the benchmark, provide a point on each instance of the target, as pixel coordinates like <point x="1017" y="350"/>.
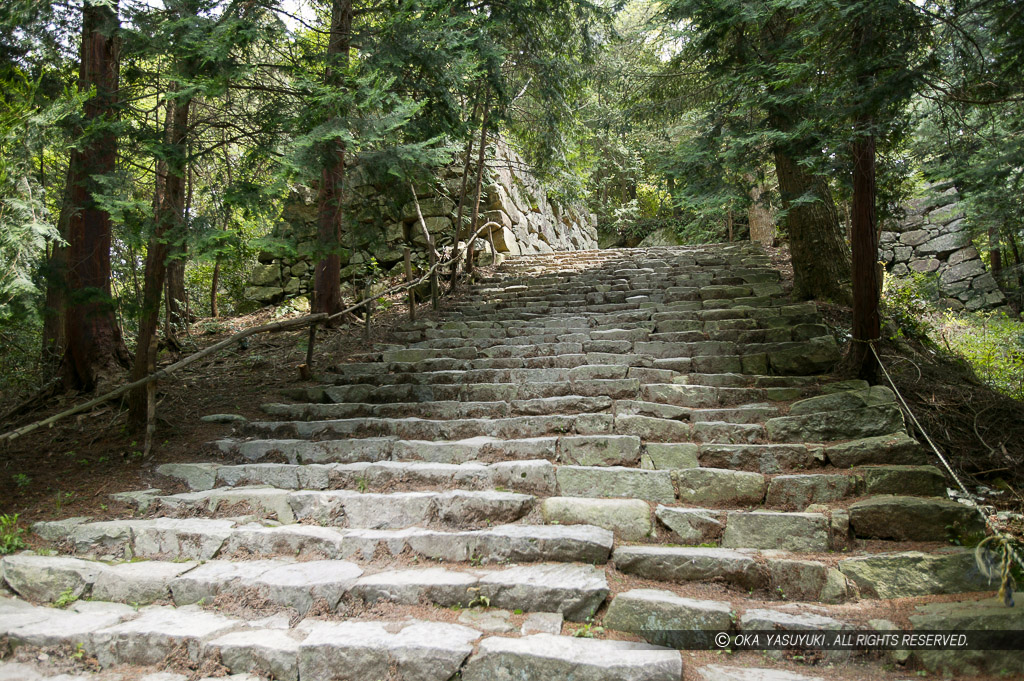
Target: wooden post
<point x="306" y="370"/>
<point x="407" y="256"/>
<point x="150" y="398"/>
<point x="367" y="292"/>
<point x="434" y="295"/>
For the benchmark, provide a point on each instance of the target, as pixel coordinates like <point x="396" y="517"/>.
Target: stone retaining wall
<point x="530" y="222"/>
<point x="934" y="238"/>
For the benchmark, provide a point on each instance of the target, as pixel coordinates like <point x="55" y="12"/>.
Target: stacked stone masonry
<point x="634" y="442"/>
<point x="527" y="219"/>
<point x="934" y="239"/>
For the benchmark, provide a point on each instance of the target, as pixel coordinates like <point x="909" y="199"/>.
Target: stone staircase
<point x="628" y="443"/>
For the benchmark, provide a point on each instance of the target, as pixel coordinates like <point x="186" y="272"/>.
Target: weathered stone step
<point x="907" y="518"/>
<point x="313" y="649"/>
<point x="205" y="539"/>
<point x="544" y="656"/>
<point x="773" y="572"/>
<point x="525" y="465"/>
<point x="663" y="618"/>
<point x="352" y="509"/>
<point x="794" y="576"/>
<point x="529" y="476"/>
<point x="561" y="405"/>
<point x="574" y="591"/>
<point x="649" y="428"/>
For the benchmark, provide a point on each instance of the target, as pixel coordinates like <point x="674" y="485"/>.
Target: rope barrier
<point x="1005" y="539"/>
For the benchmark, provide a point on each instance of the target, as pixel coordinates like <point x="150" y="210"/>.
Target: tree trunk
<point x="327" y="275"/>
<point x="759" y="216"/>
<point x="480" y="162"/>
<point x="94" y="342"/>
<point x="175" y="287"/>
<point x="866" y="280"/>
<point x="821" y="258"/>
<point x="214" y="312"/>
<point x="169" y="213"/>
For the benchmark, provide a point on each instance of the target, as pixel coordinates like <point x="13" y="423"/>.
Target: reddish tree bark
<point x="866" y="280"/>
<point x="330" y="199"/>
<point x="93" y="338"/>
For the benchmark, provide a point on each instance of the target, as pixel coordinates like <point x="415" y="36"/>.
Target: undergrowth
<point x="11" y="536"/>
<point x="991" y="343"/>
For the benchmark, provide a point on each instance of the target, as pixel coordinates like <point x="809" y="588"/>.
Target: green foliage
<point x="992" y="343"/>
<point x="905" y="300"/>
<point x="66" y="598"/>
<point x="11" y="536"/>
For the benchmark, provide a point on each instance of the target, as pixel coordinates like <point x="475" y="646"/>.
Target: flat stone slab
<point x="918" y="481"/>
<point x="893" y="448"/>
<point x="782" y="531"/>
<point x="670" y="455"/>
<point x="411" y="587"/>
<point x="913" y="518"/>
<point x="575" y="591"/>
<point x="45" y="579"/>
<point x="630" y="519"/>
<point x="615" y="481"/>
<point x="149" y="638"/>
<point x="719" y="486"/>
<point x="272" y="653"/>
<point x="914" y="573"/>
<point x="765" y="620"/>
<point x="693" y="525"/>
<point x="797" y="492"/>
<point x="662" y="617"/>
<point x="206" y="539"/>
<point x="987" y="614"/>
<point x="542" y="623"/>
<point x="544" y="656"/>
<point x="599" y="450"/>
<point x="300" y="585"/>
<point x="679" y="564"/>
<point x="140" y="582"/>
<point x="54" y="627"/>
<point x="417" y="651"/>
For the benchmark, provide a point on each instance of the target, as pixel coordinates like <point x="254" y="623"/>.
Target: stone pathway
<point x="626" y="442"/>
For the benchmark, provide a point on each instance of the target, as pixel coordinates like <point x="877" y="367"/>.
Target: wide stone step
<point x="559" y="405"/>
<point x="586" y="450"/>
<point x="651" y="429"/>
<point x="574" y="591"/>
<point x="482" y="391"/>
<point x="544" y="656"/>
<point x="205" y="539"/>
<point x="528" y="476"/>
<point x="313" y="649"/>
<point x="774" y="573"/>
<point x="353" y="509"/>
